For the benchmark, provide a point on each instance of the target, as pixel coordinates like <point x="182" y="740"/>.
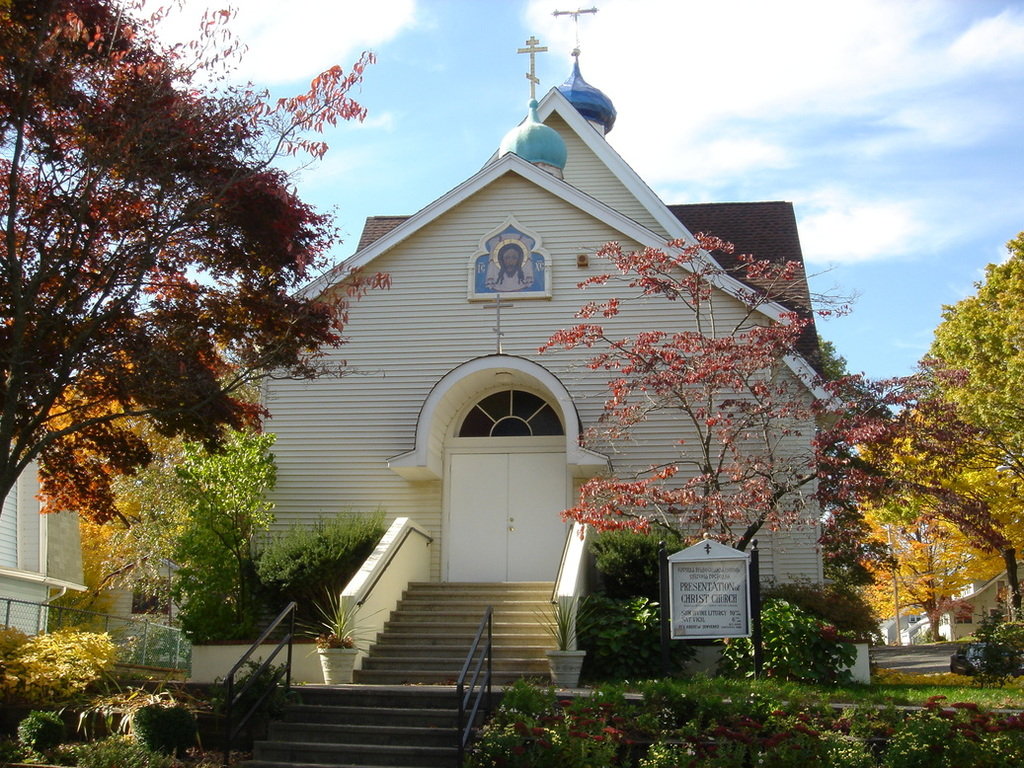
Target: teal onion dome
<point x="535" y="142"/>
<point x="588" y="100"/>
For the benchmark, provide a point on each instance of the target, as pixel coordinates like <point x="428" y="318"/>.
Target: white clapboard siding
<point x="335" y="435"/>
<point x="9" y="530"/>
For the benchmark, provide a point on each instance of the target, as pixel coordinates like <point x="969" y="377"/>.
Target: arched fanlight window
<point x="511" y="413"/>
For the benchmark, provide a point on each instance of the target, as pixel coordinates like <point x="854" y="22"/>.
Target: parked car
<point x="967" y="660"/>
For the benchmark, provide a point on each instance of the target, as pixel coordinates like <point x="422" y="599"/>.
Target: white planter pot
<point x="337" y="664"/>
<point x="565" y="667"/>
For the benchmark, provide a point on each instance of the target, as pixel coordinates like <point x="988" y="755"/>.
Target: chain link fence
<point x="139" y="642"/>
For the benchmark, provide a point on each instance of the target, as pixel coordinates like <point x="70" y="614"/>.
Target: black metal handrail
<point x="231" y="698"/>
<point x="466" y="723"/>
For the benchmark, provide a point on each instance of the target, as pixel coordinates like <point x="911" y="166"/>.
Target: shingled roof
<point x="766" y="230"/>
<point x="376" y="227"/>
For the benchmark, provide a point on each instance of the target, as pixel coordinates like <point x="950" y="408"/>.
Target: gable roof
<point x="774" y="221"/>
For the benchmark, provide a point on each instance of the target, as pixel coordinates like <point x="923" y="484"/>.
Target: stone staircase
<point x="381" y="720"/>
<point x="350" y="726"/>
<point x="430" y="632"/>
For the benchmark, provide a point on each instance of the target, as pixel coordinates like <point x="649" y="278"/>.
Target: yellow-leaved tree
<point x="982" y="337"/>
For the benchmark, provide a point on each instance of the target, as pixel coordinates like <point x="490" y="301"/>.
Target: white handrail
<point x="571" y="581"/>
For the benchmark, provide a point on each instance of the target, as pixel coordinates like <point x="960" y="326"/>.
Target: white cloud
<point x="840" y="229"/>
<point x="297" y="40"/>
<point x="899" y="76"/>
<point x="726" y="157"/>
<point x="996" y="42"/>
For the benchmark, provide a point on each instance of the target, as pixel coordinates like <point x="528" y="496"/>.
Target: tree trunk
<point x="1010" y="559"/>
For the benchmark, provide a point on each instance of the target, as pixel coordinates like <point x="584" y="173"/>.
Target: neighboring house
<point x="40" y="556"/>
<point x="465" y="428"/>
<point x="976" y="601"/>
<point x="913" y="628"/>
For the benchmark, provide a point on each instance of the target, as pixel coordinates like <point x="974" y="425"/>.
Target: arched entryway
<point x="502" y="434"/>
<point x="506" y="484"/>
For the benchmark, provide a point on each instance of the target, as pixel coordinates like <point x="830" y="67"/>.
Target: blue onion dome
<point x="588" y="100"/>
<point x="535" y="142"/>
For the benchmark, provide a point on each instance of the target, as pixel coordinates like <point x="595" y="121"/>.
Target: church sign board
<point x="709" y="592"/>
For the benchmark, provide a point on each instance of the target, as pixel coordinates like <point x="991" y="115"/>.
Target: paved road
<point x="914" y="659"/>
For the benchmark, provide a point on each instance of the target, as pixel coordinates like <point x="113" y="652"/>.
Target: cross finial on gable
<point x="533" y="49"/>
<point x="497" y="304"/>
<point x="707" y="548"/>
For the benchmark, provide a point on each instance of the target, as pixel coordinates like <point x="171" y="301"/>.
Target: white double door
<point x="504" y="515"/>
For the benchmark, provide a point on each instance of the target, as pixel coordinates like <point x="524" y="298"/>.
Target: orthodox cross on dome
<point x="497" y="304"/>
<point x="533" y="49"/>
<point x="576" y="22"/>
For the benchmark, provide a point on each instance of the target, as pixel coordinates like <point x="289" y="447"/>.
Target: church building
<point x="447" y="414"/>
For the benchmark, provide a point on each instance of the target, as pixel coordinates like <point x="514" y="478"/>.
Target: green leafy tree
<point x="227" y="507"/>
<point x="982" y="335"/>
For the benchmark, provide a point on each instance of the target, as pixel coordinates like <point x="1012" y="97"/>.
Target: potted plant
<point x="336" y="638"/>
<point x="565" y="660"/>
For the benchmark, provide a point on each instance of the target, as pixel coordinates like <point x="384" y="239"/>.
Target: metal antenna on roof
<point x="576" y="22"/>
<point x="533" y="49"/>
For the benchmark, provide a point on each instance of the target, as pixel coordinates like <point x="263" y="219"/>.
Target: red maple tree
<point x="151" y="250"/>
<point x="744" y="456"/>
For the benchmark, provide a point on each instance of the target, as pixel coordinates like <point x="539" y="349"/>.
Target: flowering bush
<point x="960" y="735"/>
<point x="532" y="728"/>
<point x="572" y="734"/>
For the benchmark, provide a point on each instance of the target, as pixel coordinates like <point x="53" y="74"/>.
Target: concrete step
<point x="406" y="677"/>
<point x="438" y="623"/>
<point x="356" y="715"/>
<point x="472" y="614"/>
<point x="532" y="666"/>
<point x="380" y="697"/>
<point x="320" y="754"/>
<point x="393" y="647"/>
<point x="362" y="734"/>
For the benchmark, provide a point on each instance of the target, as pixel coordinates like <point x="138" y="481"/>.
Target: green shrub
<point x="797" y="646"/>
<point x="524" y="699"/>
<point x="845" y="609"/>
<point x="41" y="731"/>
<point x="622" y="639"/>
<point x="120" y="752"/>
<point x="303" y="563"/>
<point x="1003" y="649"/>
<point x="168" y="730"/>
<point x="628" y="562"/>
<point x="272" y="706"/>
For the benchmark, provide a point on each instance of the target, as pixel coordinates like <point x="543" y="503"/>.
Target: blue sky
<point x="895" y="127"/>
